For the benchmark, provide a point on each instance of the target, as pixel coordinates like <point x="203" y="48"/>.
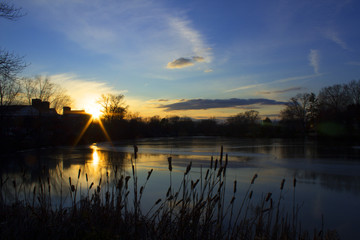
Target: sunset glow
<point x="94" y="110"/>
<point x="175" y="58"/>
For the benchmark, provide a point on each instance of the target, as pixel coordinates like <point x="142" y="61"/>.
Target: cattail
<point x="86" y="177"/>
<point x="219" y="172"/>
<point x="79" y="173"/>
<point x="14" y="184"/>
<point x="232" y="200"/>
<point x="170" y="165"/>
<point x="250" y="195"/>
<point x="193" y="185"/>
<point x="188" y="168"/>
<point x="221" y="154"/>
<point x="141" y="189"/>
<point x="216" y="162"/>
<point x="294" y="182"/>
<point x="149" y="174"/>
<point x="133" y="169"/>
<point x="120" y="183"/>
<point x="253" y="179"/>
<point x="268" y="196"/>
<point x="126" y="181"/>
<point x="98" y="189"/>
<point x="235" y="186"/>
<point x="158" y="201"/>
<point x="211" y="162"/>
<point x="72" y="188"/>
<point x="226" y="160"/>
<point x="282" y="184"/>
<point x="69" y="181"/>
<point x="168" y="192"/>
<point x="135" y="151"/>
<point x="207" y="173"/>
<point x="91" y="185"/>
<point x="100" y="182"/>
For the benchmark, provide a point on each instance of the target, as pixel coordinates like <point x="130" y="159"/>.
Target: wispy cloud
<point x="334" y="36"/>
<point x="354" y="63"/>
<point x="136" y="31"/>
<point x="245" y="87"/>
<point x="282" y="90"/>
<point x="283" y="80"/>
<point x="203" y="104"/>
<point x="314" y="60"/>
<point x="191" y="36"/>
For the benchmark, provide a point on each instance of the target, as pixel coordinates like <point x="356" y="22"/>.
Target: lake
<point x="327" y="176"/>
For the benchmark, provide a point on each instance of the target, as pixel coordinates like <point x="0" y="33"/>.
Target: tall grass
<point x="197" y="208"/>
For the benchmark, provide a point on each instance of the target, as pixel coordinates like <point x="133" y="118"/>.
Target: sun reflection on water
<point x="95" y="156"/>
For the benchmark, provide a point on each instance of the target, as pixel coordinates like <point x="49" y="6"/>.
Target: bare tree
<point x="113" y="106"/>
<point x="10" y="66"/>
<point x="9" y="11"/>
<point x="353" y="89"/>
<point x="44" y="89"/>
<point x="29" y="89"/>
<point x="303" y="108"/>
<point x="334" y="98"/>
<point x="248" y="117"/>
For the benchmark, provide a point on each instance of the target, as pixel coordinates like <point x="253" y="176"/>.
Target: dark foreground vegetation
<point x="198" y="208"/>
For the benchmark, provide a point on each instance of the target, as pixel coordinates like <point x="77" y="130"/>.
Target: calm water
<point x="328" y="177"/>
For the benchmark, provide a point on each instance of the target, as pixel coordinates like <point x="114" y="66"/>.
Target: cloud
<point x="184" y="62"/>
<point x="196" y="41"/>
<point x="354" y="63"/>
<point x="208" y="70"/>
<point x="334" y="36"/>
<point x="244" y="87"/>
<point x="282" y="91"/>
<point x="314" y="60"/>
<point x="84" y="92"/>
<point x="180" y="63"/>
<point x="203" y="104"/>
<point x="117" y="26"/>
<point x="283" y="80"/>
<point x="198" y="59"/>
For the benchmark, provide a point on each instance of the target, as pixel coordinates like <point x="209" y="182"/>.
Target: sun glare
<point x="94" y="110"/>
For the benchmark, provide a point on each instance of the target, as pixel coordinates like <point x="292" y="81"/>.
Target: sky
<point x="191" y="58"/>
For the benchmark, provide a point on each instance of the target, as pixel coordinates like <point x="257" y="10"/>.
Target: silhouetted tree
<point x="9" y="11"/>
<point x="44" y="89"/>
<point x="243" y="124"/>
<point x="10" y="66"/>
<point x="334" y="98"/>
<point x="301" y="111"/>
<point x="353" y="89"/>
<point x="113" y="106"/>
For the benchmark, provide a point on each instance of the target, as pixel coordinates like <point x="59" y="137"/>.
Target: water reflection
<point x="329" y="173"/>
<point x="95" y="156"/>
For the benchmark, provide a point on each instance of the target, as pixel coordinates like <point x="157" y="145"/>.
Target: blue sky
<point x="211" y="58"/>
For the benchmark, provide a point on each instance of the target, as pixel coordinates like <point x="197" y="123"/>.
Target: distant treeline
<point x="333" y="113"/>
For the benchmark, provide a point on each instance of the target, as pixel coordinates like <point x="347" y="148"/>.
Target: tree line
<point x="333" y="112"/>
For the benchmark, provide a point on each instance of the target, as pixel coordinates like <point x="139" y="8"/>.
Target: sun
<point x="94" y="110"/>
